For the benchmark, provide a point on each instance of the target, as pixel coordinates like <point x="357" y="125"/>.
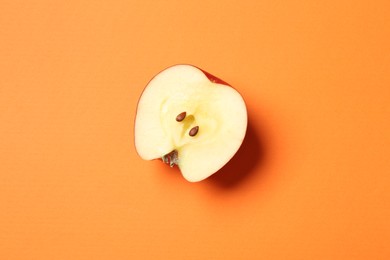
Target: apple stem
<point x="180" y="117"/>
<point x="194" y="131"/>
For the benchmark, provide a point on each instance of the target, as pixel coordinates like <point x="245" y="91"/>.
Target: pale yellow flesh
<point x="218" y="110"/>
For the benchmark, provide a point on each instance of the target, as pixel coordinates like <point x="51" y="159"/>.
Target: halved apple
<point x="191" y="119"/>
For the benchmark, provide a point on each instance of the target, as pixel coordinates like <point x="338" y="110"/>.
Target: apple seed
<point x="180" y="117"/>
<point x="194" y="131"/>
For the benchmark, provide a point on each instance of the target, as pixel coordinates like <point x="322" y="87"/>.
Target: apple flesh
<point x="191" y="119"/>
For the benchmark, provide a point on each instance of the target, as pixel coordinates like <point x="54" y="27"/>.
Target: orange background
<point x="310" y="181"/>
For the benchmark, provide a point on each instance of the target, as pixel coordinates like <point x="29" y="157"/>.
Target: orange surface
<point x="310" y="182"/>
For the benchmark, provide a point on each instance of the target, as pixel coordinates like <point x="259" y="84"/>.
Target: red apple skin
<point x="213" y="78"/>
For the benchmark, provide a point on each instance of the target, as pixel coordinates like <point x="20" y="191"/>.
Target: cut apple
<point x="191" y="119"/>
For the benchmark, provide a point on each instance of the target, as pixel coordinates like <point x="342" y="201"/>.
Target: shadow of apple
<point x="242" y="166"/>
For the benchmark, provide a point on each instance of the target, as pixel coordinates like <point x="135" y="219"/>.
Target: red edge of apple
<point x="213" y="78"/>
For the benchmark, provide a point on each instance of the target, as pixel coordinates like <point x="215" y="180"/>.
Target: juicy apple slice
<point x="191" y="119"/>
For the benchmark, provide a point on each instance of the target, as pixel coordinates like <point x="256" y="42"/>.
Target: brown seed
<point x="180" y="117"/>
<point x="194" y="131"/>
